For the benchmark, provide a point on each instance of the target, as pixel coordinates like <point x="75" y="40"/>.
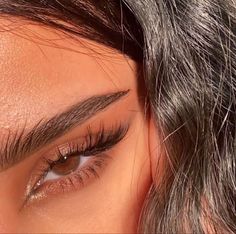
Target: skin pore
<point x="44" y="73"/>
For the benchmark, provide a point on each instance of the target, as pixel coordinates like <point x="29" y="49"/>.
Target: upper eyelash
<point x="95" y="143"/>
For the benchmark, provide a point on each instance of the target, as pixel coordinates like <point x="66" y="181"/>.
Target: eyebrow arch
<point x="19" y="145"/>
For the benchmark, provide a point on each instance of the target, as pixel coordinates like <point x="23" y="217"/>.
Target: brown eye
<point x="66" y="165"/>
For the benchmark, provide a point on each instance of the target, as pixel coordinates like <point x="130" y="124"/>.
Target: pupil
<point x="66" y="165"/>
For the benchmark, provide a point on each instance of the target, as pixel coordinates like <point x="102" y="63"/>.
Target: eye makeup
<point x="75" y="163"/>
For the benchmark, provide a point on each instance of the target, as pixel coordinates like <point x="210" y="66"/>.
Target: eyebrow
<point x="20" y="145"/>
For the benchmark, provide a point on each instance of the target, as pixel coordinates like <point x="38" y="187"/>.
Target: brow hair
<point x="19" y="145"/>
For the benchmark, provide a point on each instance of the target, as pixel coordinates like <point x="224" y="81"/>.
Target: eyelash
<point x="93" y="146"/>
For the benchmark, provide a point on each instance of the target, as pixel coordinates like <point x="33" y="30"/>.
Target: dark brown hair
<point x="188" y="51"/>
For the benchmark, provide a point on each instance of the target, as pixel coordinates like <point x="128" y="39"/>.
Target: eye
<point x="65" y="166"/>
<point x="76" y="162"/>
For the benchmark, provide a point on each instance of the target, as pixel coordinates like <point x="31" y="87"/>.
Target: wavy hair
<point x="187" y="50"/>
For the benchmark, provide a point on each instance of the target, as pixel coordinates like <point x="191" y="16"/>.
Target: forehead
<point x="43" y="70"/>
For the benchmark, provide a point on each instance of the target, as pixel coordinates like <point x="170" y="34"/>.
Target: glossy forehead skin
<point x="36" y="62"/>
<point x="42" y="72"/>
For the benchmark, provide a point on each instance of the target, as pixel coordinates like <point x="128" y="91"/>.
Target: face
<point x="74" y="134"/>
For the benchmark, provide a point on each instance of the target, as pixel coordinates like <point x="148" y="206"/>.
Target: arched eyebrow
<point x="18" y="146"/>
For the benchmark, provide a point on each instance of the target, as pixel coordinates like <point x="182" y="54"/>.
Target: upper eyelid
<point x="49" y="152"/>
